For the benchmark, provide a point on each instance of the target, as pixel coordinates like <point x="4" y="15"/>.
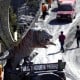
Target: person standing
<point x="62" y="40"/>
<point x="49" y="3"/>
<point x="44" y="10"/>
<point x="77" y="36"/>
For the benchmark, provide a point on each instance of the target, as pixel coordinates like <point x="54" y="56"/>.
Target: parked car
<point x="47" y="71"/>
<point x="67" y="10"/>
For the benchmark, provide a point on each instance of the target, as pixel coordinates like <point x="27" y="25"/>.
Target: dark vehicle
<point x="66" y="11"/>
<point x="50" y="71"/>
<point x="49" y="76"/>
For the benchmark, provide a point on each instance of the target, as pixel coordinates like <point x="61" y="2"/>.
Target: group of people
<point x="44" y="8"/>
<point x="62" y="38"/>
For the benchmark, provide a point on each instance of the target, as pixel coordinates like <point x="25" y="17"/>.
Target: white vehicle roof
<point x="68" y="1"/>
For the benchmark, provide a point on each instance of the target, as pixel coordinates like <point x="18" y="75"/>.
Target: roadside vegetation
<point x="12" y="20"/>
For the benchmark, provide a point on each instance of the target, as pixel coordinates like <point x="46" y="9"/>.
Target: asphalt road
<point x="53" y="27"/>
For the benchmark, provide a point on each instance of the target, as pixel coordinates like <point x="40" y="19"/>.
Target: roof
<point x="68" y="1"/>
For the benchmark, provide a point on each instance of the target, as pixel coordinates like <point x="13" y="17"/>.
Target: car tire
<point x="74" y="16"/>
<point x="61" y="74"/>
<point x="70" y="20"/>
<point x="58" y="19"/>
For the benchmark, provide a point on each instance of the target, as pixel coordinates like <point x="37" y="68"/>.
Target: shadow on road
<point x="54" y="53"/>
<point x="71" y="49"/>
<point x="58" y="22"/>
<point x="54" y="10"/>
<point x="64" y="51"/>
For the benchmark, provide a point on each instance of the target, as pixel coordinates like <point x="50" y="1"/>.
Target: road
<point x="52" y="54"/>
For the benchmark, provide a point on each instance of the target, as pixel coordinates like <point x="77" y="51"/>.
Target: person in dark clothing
<point x="77" y="36"/>
<point x="49" y="3"/>
<point x="61" y="40"/>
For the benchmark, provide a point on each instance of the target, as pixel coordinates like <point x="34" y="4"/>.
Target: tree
<point x="13" y="20"/>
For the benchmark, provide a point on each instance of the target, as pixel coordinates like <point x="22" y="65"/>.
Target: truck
<point x="49" y="71"/>
<point x="66" y="10"/>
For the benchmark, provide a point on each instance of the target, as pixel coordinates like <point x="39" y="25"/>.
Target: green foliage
<point x="12" y="20"/>
<point x="33" y="3"/>
<point x="12" y="17"/>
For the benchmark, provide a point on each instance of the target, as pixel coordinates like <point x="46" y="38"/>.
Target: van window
<point x="65" y="7"/>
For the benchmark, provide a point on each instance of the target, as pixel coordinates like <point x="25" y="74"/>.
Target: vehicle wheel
<point x="61" y="74"/>
<point x="58" y="19"/>
<point x="70" y="20"/>
<point x="49" y="77"/>
<point x="74" y="16"/>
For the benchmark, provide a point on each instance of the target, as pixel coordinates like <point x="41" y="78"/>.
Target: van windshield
<point x="65" y="7"/>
